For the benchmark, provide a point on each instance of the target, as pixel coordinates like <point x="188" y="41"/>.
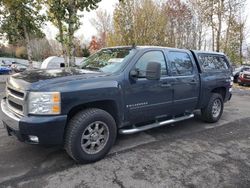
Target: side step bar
<point x="153" y="125"/>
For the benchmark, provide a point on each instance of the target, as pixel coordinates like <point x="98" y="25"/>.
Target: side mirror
<point x="153" y="71"/>
<point x="134" y="74"/>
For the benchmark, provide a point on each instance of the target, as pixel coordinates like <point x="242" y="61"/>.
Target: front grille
<point x="247" y="76"/>
<point x="15" y="105"/>
<point x="15" y="100"/>
<point x="16" y="93"/>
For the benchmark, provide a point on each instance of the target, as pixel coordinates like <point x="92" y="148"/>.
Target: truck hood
<point x="40" y="78"/>
<point x="32" y="76"/>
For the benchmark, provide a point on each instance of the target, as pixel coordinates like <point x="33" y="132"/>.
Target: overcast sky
<point x="86" y="31"/>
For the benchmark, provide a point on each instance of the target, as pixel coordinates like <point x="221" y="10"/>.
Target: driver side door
<point x="149" y="99"/>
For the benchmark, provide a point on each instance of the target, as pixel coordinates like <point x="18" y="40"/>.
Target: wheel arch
<point x="221" y="91"/>
<point x="109" y="106"/>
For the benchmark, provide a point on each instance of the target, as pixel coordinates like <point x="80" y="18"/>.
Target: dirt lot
<point x="188" y="154"/>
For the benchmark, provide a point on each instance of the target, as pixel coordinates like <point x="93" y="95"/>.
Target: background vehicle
<point x="55" y="62"/>
<point x="244" y="78"/>
<point x="6" y="63"/>
<point x="120" y="89"/>
<point x="237" y="72"/>
<point x="4" y="69"/>
<point x="18" y="67"/>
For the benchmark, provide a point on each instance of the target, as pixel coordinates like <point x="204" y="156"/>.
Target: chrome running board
<point x="153" y="125"/>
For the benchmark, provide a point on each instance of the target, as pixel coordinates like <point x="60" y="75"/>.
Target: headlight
<point x="44" y="103"/>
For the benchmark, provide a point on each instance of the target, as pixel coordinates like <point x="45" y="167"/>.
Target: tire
<point x="209" y="114"/>
<point x="235" y="79"/>
<point x="85" y="131"/>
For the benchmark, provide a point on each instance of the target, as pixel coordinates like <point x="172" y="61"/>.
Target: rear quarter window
<point x="180" y="64"/>
<point x="211" y="62"/>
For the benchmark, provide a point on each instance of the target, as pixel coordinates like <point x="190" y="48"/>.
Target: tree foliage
<point x="64" y="15"/>
<point x="194" y="24"/>
<point x="21" y="21"/>
<point x="103" y="24"/>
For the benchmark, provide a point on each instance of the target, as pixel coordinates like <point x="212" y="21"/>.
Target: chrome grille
<point x="15" y="100"/>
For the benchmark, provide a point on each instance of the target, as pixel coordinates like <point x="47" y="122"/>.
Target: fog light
<point x="33" y="138"/>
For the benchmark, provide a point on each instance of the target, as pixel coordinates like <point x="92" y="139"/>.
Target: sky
<point x="86" y="30"/>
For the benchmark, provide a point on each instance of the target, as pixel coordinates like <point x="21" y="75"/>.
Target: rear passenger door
<point x="185" y="81"/>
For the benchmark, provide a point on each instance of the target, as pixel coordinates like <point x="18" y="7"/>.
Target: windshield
<point x="246" y="69"/>
<point x="108" y="60"/>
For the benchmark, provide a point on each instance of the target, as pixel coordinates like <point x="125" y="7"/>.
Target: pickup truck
<point x="116" y="90"/>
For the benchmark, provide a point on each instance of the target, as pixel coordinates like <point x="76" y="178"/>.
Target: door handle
<point x="192" y="82"/>
<point x="165" y="85"/>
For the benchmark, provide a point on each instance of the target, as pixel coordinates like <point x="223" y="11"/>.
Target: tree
<point x="21" y="52"/>
<point x="21" y="21"/>
<point x="138" y="22"/>
<point x="179" y="24"/>
<point x="41" y="49"/>
<point x="103" y="24"/>
<point x="94" y="45"/>
<point x="65" y="13"/>
<point x="149" y="24"/>
<point x="56" y="14"/>
<point x="124" y="22"/>
<point x="56" y="47"/>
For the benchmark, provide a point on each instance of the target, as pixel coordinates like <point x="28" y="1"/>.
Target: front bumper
<point x="48" y="129"/>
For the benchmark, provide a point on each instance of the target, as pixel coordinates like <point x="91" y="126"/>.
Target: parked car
<point x="18" y="67"/>
<point x="6" y="63"/>
<point x="118" y="90"/>
<point x="244" y="78"/>
<point x="4" y="69"/>
<point x="238" y="70"/>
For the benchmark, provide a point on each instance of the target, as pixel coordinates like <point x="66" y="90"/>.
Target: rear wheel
<point x="214" y="109"/>
<point x="90" y="135"/>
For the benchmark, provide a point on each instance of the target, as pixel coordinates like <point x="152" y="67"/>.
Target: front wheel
<point x="214" y="109"/>
<point x="90" y="135"/>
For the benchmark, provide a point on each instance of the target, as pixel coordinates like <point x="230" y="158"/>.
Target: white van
<point x="55" y="62"/>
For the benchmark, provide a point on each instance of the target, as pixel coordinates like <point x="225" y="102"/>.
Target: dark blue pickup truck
<point x="117" y="90"/>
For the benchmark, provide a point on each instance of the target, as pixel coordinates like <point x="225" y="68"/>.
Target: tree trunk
<point x="219" y="14"/>
<point x="71" y="30"/>
<point x="62" y="43"/>
<point x="212" y="37"/>
<point x="29" y="52"/>
<point x="241" y="41"/>
<point x="212" y="23"/>
<point x="228" y="27"/>
<point x="200" y="37"/>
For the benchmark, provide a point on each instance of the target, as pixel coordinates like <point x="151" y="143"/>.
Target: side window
<point x="180" y="63"/>
<point x="152" y="56"/>
<point x="212" y="62"/>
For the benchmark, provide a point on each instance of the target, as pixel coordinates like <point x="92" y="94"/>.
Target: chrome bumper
<point x="9" y="117"/>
